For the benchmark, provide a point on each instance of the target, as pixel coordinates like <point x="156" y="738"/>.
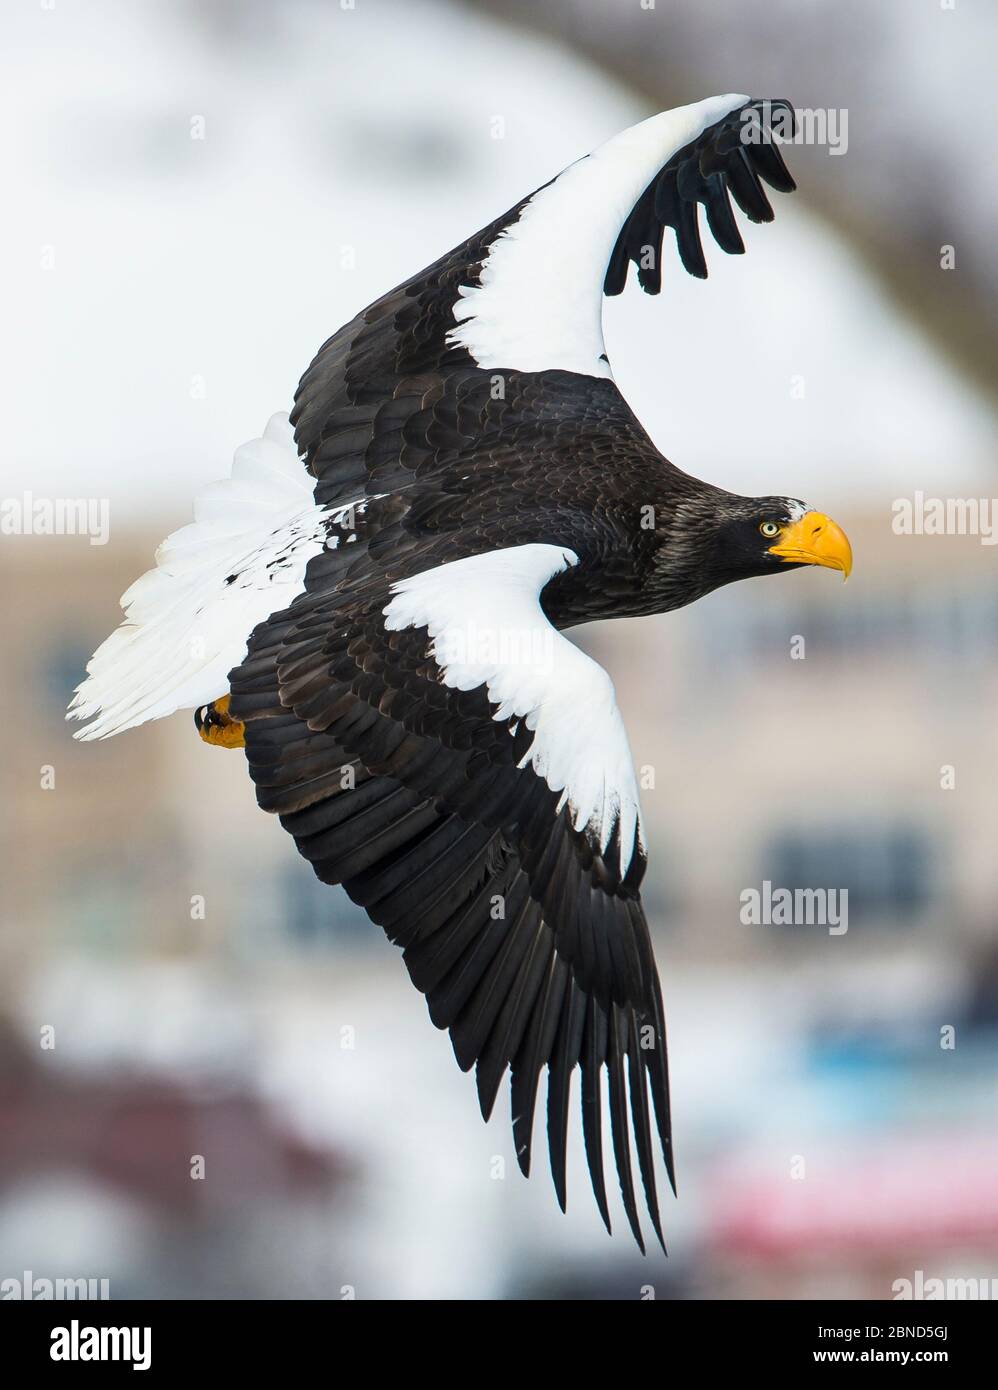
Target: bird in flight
<point x="373" y="606"/>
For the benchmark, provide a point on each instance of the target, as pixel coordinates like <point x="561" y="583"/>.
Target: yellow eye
<point x="769" y="528"/>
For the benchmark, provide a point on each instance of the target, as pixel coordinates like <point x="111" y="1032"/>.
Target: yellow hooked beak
<point x="815" y="540"/>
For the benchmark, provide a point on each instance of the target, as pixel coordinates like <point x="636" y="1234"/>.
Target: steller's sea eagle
<point x="373" y="607"/>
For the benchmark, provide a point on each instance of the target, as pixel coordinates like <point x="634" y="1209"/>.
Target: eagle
<point x="373" y="606"/>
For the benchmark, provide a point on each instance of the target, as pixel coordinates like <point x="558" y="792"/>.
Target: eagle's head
<point x="766" y="535"/>
<point x="716" y="537"/>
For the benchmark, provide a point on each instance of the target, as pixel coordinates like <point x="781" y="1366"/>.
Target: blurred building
<point x="168" y="931"/>
<point x="797" y="732"/>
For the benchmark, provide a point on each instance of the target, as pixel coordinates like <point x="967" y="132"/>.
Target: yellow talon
<point x="215" y="726"/>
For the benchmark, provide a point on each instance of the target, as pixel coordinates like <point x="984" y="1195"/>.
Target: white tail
<point x="188" y="620"/>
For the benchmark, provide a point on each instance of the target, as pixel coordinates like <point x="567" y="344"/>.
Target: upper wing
<point x="441" y="750"/>
<point x="480" y="343"/>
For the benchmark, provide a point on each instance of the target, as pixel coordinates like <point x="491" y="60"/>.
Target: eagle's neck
<point x="647" y="562"/>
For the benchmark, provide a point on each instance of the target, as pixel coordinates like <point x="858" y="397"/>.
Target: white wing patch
<point x="188" y="620"/>
<point x="487" y="628"/>
<point x="540" y="302"/>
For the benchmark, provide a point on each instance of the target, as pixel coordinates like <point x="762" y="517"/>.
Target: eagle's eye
<point x="769" y="528"/>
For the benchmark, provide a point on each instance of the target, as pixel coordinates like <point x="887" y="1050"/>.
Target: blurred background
<point x="200" y="194"/>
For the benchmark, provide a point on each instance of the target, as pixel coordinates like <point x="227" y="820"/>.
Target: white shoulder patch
<point x="540" y="302"/>
<point x="488" y="628"/>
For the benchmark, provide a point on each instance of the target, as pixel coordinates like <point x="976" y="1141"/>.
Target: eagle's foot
<point x="215" y="726"/>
